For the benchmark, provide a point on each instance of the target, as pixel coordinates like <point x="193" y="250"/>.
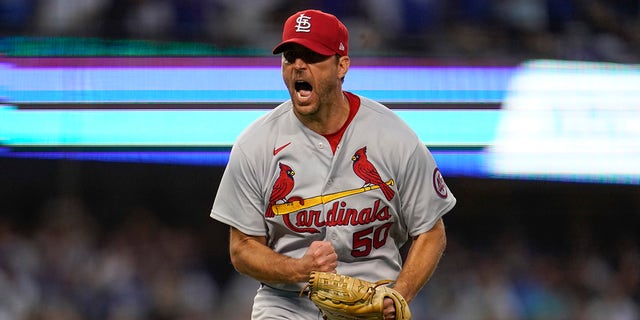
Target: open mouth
<point x="303" y="88"/>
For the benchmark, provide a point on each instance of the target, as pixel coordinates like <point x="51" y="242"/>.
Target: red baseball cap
<point x="318" y="31"/>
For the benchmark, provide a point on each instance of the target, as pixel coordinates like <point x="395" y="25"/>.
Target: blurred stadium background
<point x="98" y="238"/>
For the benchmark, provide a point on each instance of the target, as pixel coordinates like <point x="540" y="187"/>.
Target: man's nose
<point x="299" y="64"/>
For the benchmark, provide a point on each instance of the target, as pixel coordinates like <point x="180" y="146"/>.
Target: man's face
<point x="312" y="79"/>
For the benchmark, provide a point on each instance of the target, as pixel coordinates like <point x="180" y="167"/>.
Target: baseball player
<point x="329" y="181"/>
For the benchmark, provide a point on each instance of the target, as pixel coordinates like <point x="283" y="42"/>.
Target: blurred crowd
<point x="69" y="265"/>
<point x="494" y="30"/>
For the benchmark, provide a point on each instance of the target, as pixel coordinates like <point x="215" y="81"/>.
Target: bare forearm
<point x="251" y="256"/>
<point x="422" y="260"/>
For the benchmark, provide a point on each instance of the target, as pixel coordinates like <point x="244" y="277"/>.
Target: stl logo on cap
<point x="318" y="31"/>
<point x="303" y="23"/>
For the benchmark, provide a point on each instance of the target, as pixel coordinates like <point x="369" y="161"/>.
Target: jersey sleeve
<point x="425" y="196"/>
<point x="238" y="201"/>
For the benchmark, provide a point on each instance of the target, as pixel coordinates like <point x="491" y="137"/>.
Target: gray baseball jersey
<point x="381" y="186"/>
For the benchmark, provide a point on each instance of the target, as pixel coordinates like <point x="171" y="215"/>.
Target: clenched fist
<point x="321" y="256"/>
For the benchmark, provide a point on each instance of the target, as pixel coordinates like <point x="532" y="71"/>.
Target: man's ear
<point x="343" y="66"/>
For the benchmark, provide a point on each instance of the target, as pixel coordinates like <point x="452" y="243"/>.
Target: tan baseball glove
<point x="341" y="297"/>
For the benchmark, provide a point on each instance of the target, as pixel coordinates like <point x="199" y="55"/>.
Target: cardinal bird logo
<point x="367" y="172"/>
<point x="281" y="188"/>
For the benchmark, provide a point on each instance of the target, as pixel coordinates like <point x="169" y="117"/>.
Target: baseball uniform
<point x="378" y="186"/>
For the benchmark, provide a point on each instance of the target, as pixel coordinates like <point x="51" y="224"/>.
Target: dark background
<point x="577" y="242"/>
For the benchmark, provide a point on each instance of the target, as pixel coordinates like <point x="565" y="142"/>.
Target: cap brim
<point x="309" y="44"/>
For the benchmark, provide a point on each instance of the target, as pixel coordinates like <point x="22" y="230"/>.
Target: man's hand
<point x="321" y="256"/>
<point x="389" y="310"/>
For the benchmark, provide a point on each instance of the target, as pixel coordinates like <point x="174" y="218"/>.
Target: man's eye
<point x="290" y="56"/>
<point x="313" y="57"/>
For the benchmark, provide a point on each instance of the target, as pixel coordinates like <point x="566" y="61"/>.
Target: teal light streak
<point x="206" y="127"/>
<point x="123" y="127"/>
